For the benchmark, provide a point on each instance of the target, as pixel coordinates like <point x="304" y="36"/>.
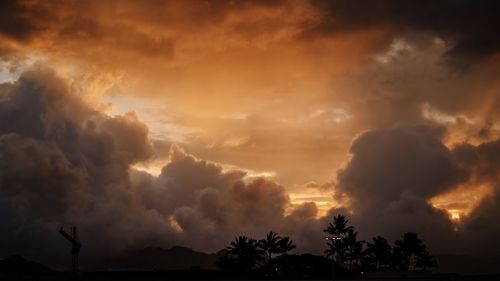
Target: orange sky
<point x="277" y="89"/>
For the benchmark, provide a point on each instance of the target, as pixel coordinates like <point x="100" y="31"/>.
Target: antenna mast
<point x="76" y="246"/>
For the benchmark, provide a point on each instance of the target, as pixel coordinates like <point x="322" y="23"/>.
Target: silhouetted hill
<point x="160" y="259"/>
<point x="18" y="265"/>
<point x="468" y="264"/>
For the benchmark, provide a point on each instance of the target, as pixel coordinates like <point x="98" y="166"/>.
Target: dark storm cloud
<point x="17" y="20"/>
<point x="128" y="28"/>
<point x="483" y="160"/>
<point x="207" y="202"/>
<point x="388" y="164"/>
<point x="480" y="230"/>
<point x="63" y="162"/>
<point x="394" y="172"/>
<point x="391" y="176"/>
<point x="50" y="183"/>
<point x="469" y="26"/>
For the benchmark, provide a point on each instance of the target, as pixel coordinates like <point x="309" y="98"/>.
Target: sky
<point x="160" y="123"/>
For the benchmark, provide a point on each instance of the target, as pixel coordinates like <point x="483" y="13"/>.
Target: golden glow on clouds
<point x="152" y="167"/>
<point x="324" y="201"/>
<point x="155" y="166"/>
<point x="398" y="46"/>
<point x="461" y="201"/>
<point x="442" y="118"/>
<point x="247" y="86"/>
<point x="174" y="224"/>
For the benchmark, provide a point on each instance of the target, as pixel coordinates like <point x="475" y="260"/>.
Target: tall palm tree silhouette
<point x="397" y="259"/>
<point x="339" y="226"/>
<point x="411" y="245"/>
<point x="336" y="245"/>
<point x="379" y="251"/>
<point x="353" y="246"/>
<point x="246" y="251"/>
<point x="271" y="244"/>
<point x="358" y="253"/>
<point x="425" y="260"/>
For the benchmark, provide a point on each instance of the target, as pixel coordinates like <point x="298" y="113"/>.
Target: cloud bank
<point x="65" y="163"/>
<point x="283" y="88"/>
<point x="394" y="173"/>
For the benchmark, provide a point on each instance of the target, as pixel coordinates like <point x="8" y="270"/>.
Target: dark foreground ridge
<point x="175" y="258"/>
<point x="18" y="268"/>
<point x="18" y="265"/>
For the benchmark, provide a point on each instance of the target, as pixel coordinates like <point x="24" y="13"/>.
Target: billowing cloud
<point x="280" y="89"/>
<point x="202" y="199"/>
<point x="64" y="162"/>
<point x="480" y="228"/>
<point x="393" y="174"/>
<point x="389" y="164"/>
<point x="236" y="81"/>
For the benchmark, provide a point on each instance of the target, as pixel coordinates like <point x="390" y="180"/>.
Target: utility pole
<point x="75" y="249"/>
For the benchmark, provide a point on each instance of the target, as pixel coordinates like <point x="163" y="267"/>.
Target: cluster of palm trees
<point x="244" y="254"/>
<point x="408" y="253"/>
<point x="269" y="256"/>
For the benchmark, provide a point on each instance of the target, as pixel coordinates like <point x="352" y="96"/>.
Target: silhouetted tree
<point x="353" y="246"/>
<point x="246" y="252"/>
<point x="425" y="260"/>
<point x="358" y="254"/>
<point x="411" y="245"/>
<point x="336" y="250"/>
<point x="397" y="260"/>
<point x="339" y="226"/>
<point x="336" y="245"/>
<point x="227" y="263"/>
<point x="379" y="251"/>
<point x="271" y="244"/>
<point x="286" y="245"/>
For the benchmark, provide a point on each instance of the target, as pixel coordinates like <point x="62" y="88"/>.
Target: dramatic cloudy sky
<point x="159" y="123"/>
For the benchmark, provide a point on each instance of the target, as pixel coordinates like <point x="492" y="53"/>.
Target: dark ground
<point x="203" y="275"/>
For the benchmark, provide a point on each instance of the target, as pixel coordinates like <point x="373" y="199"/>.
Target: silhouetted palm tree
<point x="410" y="246"/>
<point x="358" y="253"/>
<point x="425" y="260"/>
<point x="379" y="251"/>
<point x="286" y="245"/>
<point x="271" y="245"/>
<point x="227" y="263"/>
<point x="339" y="226"/>
<point x="354" y="247"/>
<point x="336" y="244"/>
<point x="397" y="259"/>
<point x="337" y="250"/>
<point x="246" y="251"/>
